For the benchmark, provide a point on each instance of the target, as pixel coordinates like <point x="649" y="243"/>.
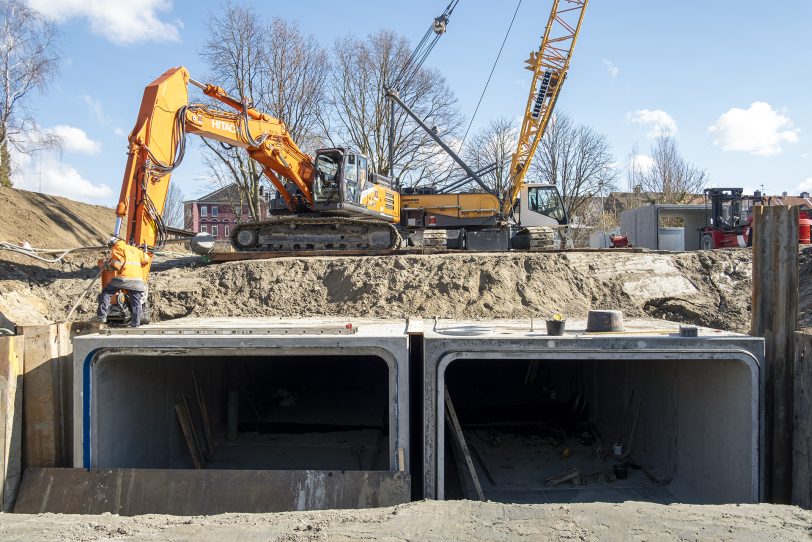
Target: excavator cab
<point x="341" y="176"/>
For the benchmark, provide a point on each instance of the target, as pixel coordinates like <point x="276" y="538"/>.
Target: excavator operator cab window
<point x="352" y="193"/>
<point x="546" y="201"/>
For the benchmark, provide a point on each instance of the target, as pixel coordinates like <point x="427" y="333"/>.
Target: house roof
<point x="226" y="194"/>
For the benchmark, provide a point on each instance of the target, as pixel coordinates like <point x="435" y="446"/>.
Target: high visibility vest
<point x="128" y="260"/>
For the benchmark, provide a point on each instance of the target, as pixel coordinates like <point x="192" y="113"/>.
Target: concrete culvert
<point x="210" y="416"/>
<point x="593" y="418"/>
<point x="263" y="412"/>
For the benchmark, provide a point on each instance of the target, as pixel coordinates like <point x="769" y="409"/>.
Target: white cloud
<point x="120" y="132"/>
<point x="51" y="176"/>
<point x="123" y="23"/>
<point x="805" y="186"/>
<point x="640" y="162"/>
<point x="95" y="107"/>
<point x="759" y="130"/>
<point x="660" y="122"/>
<point x="75" y="139"/>
<point x="610" y="67"/>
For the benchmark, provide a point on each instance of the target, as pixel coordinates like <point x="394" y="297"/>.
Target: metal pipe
<point x="393" y="95"/>
<point x="465" y="180"/>
<point x="198" y="84"/>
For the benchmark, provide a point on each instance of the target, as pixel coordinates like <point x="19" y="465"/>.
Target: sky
<point x="731" y="80"/>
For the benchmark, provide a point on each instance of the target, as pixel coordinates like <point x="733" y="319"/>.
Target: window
<point x="204" y="210"/>
<point x="214" y="211"/>
<point x="545" y="201"/>
<point x="203" y="228"/>
<point x="226" y="231"/>
<point x="351" y="192"/>
<point x="215" y="230"/>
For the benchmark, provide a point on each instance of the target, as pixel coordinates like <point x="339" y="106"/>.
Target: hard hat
<point x="112" y="241"/>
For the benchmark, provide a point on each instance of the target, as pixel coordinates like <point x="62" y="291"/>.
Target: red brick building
<point x="217" y="212"/>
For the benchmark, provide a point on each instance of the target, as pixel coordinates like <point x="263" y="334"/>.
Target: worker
<point x="126" y="262"/>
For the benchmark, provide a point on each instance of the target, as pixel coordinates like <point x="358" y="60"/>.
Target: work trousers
<point x="134" y="297"/>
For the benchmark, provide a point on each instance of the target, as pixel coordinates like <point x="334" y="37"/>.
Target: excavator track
<point x="302" y="234"/>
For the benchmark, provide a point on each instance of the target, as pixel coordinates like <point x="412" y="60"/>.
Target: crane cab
<point x="540" y="205"/>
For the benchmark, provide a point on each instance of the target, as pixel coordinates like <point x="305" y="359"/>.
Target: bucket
<point x="555" y="327"/>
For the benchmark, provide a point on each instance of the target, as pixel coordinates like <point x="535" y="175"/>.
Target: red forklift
<point x="728" y="218"/>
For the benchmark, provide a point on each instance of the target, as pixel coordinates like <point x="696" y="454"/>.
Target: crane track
<point x="304" y="234"/>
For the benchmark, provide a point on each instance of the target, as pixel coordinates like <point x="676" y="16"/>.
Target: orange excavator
<point x="334" y="201"/>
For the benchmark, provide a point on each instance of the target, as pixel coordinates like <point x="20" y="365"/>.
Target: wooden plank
<point x="219" y="257"/>
<point x="43" y="440"/>
<point x="186" y="427"/>
<point x="775" y="317"/>
<point x="204" y="415"/>
<point x="11" y="419"/>
<point x="802" y="423"/>
<point x="458" y="436"/>
<point x="198" y="439"/>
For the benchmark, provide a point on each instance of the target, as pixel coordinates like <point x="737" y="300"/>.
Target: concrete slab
<point x="130" y="492"/>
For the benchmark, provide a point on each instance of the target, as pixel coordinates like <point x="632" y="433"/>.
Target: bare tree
<point x="296" y="70"/>
<point x="579" y="161"/>
<point x="668" y="178"/>
<point x="173" y="207"/>
<point x="495" y="143"/>
<point x="28" y="61"/>
<point x="235" y="53"/>
<point x="275" y="67"/>
<point x="359" y="111"/>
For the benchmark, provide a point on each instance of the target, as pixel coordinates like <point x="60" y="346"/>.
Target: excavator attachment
<point x="298" y="233"/>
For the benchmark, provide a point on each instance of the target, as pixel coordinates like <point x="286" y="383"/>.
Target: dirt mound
<point x="439" y="521"/>
<point x="51" y="221"/>
<point x="708" y="288"/>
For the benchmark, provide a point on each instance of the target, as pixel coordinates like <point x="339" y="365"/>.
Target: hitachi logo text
<point x="223" y="125"/>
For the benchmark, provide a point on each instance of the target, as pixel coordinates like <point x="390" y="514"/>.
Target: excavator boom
<point x="157" y="144"/>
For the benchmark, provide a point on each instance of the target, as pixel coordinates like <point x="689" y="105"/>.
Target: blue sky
<point x="730" y="79"/>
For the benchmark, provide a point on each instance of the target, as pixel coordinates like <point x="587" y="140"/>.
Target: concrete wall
<point x="642" y="224"/>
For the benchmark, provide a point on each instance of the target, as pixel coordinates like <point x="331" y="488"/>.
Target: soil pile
<point x="51" y="221"/>
<point x="704" y="288"/>
<point x="437" y="521"/>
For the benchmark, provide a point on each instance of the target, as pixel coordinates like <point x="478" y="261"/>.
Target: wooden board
<point x="775" y="317"/>
<point x="802" y="426"/>
<point x="11" y="419"/>
<point x="458" y="437"/>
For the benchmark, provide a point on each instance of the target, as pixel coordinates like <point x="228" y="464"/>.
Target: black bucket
<point x="555" y="327"/>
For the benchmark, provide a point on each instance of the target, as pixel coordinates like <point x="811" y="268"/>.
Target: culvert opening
<point x="242" y="412"/>
<point x="601" y="430"/>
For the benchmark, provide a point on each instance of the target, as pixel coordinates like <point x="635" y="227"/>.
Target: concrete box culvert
<point x="686" y="412"/>
<point x="315" y="397"/>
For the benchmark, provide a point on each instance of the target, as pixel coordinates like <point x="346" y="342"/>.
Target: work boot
<point x="98" y="320"/>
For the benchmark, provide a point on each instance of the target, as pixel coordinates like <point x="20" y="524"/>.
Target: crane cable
<point x="481" y="96"/>
<point x="495" y="62"/>
<point x="423" y="49"/>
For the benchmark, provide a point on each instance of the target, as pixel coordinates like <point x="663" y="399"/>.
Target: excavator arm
<point x="549" y="66"/>
<point x="157" y="145"/>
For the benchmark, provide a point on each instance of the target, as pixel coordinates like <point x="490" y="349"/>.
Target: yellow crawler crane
<point x="536" y="208"/>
